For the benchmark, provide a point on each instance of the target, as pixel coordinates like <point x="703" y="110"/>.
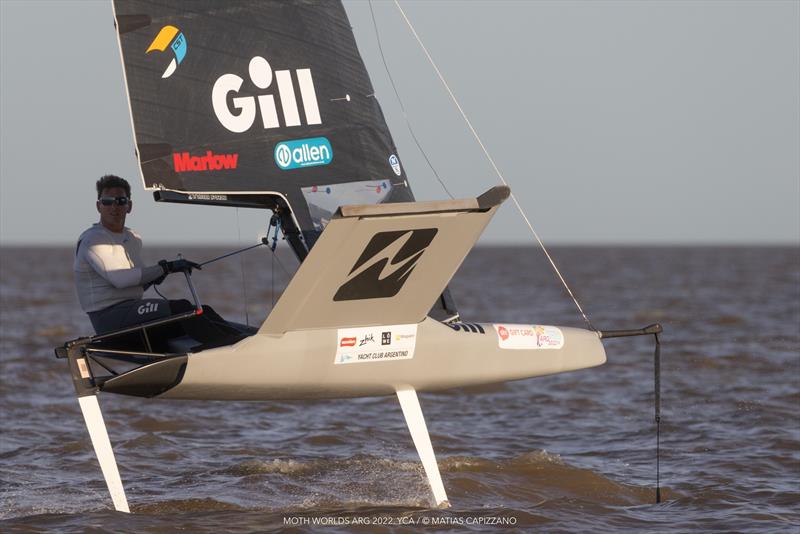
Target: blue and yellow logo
<point x="303" y="153"/>
<point x="170" y="36"/>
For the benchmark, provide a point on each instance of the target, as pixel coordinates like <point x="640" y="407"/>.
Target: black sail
<point x="256" y="98"/>
<point x="258" y="103"/>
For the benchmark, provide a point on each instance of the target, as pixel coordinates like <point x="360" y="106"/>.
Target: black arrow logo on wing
<point x="385" y="264"/>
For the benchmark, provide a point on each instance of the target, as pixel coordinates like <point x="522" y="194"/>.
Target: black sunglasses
<point x="119" y="201"/>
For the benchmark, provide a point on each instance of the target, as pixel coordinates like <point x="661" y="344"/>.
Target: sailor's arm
<point x="116" y="268"/>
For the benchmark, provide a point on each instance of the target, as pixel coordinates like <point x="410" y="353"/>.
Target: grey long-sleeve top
<point x="109" y="268"/>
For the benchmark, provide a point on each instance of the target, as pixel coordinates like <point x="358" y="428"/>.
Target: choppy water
<point x="572" y="452"/>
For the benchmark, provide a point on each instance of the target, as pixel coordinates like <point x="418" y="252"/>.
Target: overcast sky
<point x="613" y="122"/>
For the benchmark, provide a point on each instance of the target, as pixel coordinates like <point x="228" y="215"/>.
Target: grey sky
<point x="613" y="122"/>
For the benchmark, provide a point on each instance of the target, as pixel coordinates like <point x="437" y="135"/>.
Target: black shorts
<point x="207" y="328"/>
<point x="129" y="313"/>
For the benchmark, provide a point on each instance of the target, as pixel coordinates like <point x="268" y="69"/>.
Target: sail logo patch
<point x="241" y="115"/>
<point x="172" y="37"/>
<point x="385" y="264"/>
<point x="185" y="162"/>
<point x="303" y="153"/>
<point x="395" y="163"/>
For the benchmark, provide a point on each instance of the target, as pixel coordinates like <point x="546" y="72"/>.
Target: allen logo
<point x="385" y="264"/>
<point x="303" y="153"/>
<point x="147" y="308"/>
<point x="243" y="115"/>
<point x="347" y="342"/>
<point x="184" y="162"/>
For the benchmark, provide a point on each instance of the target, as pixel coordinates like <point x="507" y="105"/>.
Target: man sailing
<point x="110" y="276"/>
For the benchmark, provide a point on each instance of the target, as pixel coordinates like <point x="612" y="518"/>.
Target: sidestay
<point x="382" y="264"/>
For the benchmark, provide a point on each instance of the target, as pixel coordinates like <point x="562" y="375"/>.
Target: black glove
<point x="181" y="265"/>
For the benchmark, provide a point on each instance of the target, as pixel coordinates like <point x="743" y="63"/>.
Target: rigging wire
<point x="272" y="280"/>
<point x="275" y="221"/>
<point x="402" y="107"/>
<point x="494" y="166"/>
<point x="241" y="263"/>
<point x="155" y="288"/>
<point x="280" y="264"/>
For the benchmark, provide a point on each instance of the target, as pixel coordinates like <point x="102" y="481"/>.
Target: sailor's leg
<point x="102" y="448"/>
<point x="422" y="441"/>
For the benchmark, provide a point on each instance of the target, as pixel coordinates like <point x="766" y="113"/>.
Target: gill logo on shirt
<point x="242" y="115"/>
<point x="147" y="308"/>
<point x="172" y="37"/>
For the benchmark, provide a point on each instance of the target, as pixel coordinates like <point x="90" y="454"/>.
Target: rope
<point x="494" y="166"/>
<point x="402" y="107"/>
<point x="241" y="263"/>
<point x="276" y="222"/>
<point x="272" y="280"/>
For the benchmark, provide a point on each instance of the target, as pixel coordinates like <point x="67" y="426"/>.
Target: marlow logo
<point x="303" y="153"/>
<point x="385" y="264"/>
<point x="172" y="37"/>
<point x="243" y="115"/>
<point x="184" y="162"/>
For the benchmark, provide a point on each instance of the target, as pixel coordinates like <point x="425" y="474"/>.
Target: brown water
<point x="572" y="452"/>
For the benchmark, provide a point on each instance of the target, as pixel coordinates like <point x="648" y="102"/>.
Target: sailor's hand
<point x="180" y="265"/>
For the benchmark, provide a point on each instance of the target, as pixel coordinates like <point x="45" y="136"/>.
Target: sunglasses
<point x="119" y="201"/>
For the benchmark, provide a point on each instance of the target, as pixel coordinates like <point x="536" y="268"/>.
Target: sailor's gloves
<point x="176" y="266"/>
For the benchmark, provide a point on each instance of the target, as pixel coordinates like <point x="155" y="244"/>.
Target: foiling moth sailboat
<point x="268" y="105"/>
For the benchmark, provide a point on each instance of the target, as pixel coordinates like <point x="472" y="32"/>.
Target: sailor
<point x="110" y="276"/>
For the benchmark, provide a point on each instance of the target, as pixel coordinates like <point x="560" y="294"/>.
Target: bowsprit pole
<point x="657" y="392"/>
<point x="654" y="330"/>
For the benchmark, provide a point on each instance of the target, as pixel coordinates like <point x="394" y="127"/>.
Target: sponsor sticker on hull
<point x="376" y="343"/>
<point x="524" y="336"/>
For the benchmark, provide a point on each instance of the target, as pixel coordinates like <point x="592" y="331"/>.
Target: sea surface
<point x="567" y="453"/>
